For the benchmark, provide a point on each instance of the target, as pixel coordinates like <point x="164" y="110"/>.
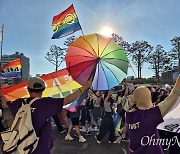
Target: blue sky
<point x="27" y="25"/>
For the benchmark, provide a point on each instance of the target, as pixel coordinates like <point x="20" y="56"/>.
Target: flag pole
<point x="1" y="45"/>
<point x="82" y="31"/>
<point x="1" y="50"/>
<point x="78" y="20"/>
<point x="134" y="72"/>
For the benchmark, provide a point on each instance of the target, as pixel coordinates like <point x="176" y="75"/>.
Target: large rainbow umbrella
<point x="97" y="57"/>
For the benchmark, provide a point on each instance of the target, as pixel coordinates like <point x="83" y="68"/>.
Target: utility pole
<point x="179" y="56"/>
<point x="1" y="40"/>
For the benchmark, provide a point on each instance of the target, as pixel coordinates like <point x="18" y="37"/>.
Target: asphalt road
<point x="90" y="146"/>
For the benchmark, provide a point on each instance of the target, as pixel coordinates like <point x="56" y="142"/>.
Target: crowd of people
<point x="140" y="108"/>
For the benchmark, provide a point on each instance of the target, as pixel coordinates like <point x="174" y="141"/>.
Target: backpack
<point x="21" y="138"/>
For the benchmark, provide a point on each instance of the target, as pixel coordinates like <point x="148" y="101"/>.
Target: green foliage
<point x="55" y="56"/>
<point x="175" y="52"/>
<point x="69" y="40"/>
<point x="159" y="61"/>
<point x="124" y="44"/>
<point x="140" y="51"/>
<point x="151" y="81"/>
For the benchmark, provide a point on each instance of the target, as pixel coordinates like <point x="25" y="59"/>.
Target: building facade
<point x="25" y="67"/>
<point x="170" y="77"/>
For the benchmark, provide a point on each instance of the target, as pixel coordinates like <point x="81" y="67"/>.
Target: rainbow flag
<point x="74" y="105"/>
<point x="65" y="23"/>
<point x="11" y="70"/>
<point x="117" y="122"/>
<point x="58" y="84"/>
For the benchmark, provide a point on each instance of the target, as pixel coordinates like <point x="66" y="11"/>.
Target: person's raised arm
<point x="170" y="101"/>
<point x="108" y="97"/>
<point x="127" y="89"/>
<point x="3" y="99"/>
<point x="72" y="97"/>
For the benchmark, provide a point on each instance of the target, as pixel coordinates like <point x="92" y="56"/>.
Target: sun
<point x="106" y="31"/>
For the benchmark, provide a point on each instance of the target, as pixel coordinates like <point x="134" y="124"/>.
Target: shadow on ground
<point x="90" y="146"/>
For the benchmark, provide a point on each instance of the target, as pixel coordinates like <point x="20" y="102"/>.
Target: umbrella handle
<point x="91" y="78"/>
<point x="92" y="75"/>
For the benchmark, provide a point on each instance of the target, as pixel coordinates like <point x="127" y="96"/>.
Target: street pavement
<point x="90" y="146"/>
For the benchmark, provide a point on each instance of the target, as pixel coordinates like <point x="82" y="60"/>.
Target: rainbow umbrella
<point x="97" y="57"/>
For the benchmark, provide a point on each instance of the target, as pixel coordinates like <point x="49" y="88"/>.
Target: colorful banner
<point x="58" y="84"/>
<point x="11" y="70"/>
<point x="65" y="23"/>
<point x="74" y="105"/>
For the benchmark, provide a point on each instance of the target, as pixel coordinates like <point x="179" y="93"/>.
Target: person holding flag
<point x="43" y="109"/>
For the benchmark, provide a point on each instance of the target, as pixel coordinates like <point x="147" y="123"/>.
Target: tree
<point x="119" y="40"/>
<point x="19" y="53"/>
<point x="69" y="40"/>
<point x="175" y="52"/>
<point x="55" y="56"/>
<point x="140" y="51"/>
<point x="159" y="61"/>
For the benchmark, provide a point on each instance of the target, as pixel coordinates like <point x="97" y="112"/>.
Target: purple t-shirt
<point x="42" y="110"/>
<point x="141" y="128"/>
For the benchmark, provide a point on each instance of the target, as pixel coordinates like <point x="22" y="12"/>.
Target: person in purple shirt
<point x="143" y="119"/>
<point x="42" y="109"/>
